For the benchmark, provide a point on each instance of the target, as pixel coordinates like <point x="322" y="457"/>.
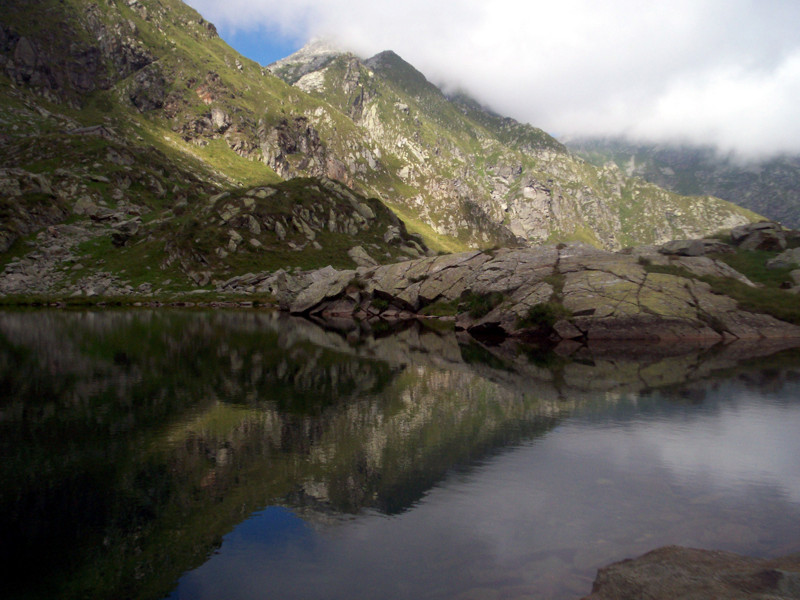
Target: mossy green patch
<point x="751" y="263"/>
<point x="480" y="305"/>
<point x="441" y="308"/>
<point x="543" y="315"/>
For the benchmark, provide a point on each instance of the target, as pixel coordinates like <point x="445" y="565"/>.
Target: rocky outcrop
<point x="567" y="292"/>
<point x="692" y="574"/>
<point x="55" y="264"/>
<point x="299" y="215"/>
<point x="149" y="89"/>
<point x="27" y="203"/>
<point x="61" y="66"/>
<point x="766" y="235"/>
<point x="694" y="247"/>
<point x="311" y="58"/>
<point x="283" y="143"/>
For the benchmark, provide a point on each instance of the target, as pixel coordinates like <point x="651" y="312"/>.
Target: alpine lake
<point x="246" y="454"/>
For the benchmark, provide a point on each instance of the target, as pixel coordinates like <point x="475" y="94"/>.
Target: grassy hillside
<point x="123" y="111"/>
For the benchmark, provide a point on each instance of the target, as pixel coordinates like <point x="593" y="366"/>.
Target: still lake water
<point x="248" y="455"/>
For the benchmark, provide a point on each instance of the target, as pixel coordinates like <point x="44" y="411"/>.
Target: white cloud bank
<point x="725" y="72"/>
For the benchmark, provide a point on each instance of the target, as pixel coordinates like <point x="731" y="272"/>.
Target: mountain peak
<point x="387" y="56"/>
<point x="314" y="56"/>
<point x="394" y="68"/>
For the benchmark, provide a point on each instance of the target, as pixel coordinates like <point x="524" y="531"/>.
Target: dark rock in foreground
<point x="675" y="572"/>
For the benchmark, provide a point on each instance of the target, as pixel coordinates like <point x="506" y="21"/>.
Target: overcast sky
<point x="711" y="71"/>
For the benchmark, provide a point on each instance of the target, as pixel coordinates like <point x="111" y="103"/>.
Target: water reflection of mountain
<point x="132" y="441"/>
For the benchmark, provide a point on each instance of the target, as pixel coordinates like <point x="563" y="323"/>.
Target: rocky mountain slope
<point x="770" y="187"/>
<point x="476" y="176"/>
<point x="124" y="121"/>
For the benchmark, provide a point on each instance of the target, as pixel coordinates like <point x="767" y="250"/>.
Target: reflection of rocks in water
<point x="188" y="421"/>
<point x="619" y="369"/>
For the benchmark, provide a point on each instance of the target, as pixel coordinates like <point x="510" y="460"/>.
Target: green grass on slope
<point x="435" y="241"/>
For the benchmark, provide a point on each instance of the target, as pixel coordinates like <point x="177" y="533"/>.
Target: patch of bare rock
<point x="565" y="292"/>
<point x="692" y="574"/>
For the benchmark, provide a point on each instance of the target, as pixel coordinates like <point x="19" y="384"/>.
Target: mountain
<point x="768" y="186"/>
<point x="481" y="178"/>
<point x="141" y="153"/>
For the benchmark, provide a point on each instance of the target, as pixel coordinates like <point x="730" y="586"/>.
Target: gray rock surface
<point x="683" y="248"/>
<point x="608" y="296"/>
<point x="696" y="247"/>
<point x="786" y="259"/>
<point x="361" y="257"/>
<point x="691" y="574"/>
<point x="766" y="235"/>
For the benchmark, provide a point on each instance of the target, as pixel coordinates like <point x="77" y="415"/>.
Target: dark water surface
<point x="247" y="455"/>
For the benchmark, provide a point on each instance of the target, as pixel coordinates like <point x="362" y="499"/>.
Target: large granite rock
<point x="562" y="292"/>
<point x="675" y="572"/>
<point x="759" y="236"/>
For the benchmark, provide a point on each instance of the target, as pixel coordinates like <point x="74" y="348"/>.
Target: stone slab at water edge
<point x="692" y="574"/>
<point x="562" y="292"/>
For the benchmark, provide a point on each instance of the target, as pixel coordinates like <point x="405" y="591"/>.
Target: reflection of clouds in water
<point x="742" y="440"/>
<point x="583" y="495"/>
<point x="370" y="557"/>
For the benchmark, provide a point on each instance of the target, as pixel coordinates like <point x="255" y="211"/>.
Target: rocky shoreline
<point x="569" y="292"/>
<point x="560" y="294"/>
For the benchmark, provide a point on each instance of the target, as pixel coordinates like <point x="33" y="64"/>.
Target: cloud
<point x="709" y="71"/>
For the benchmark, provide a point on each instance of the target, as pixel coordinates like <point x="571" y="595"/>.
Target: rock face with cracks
<point x="561" y="292"/>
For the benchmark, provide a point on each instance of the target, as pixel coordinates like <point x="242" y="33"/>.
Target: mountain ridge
<point x="464" y="129"/>
<point x="140" y="109"/>
<point x="769" y="186"/>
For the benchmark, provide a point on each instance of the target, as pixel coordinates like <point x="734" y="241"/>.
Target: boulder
<point x="200" y="278"/>
<point x="683" y="248"/>
<point x="692" y="574"/>
<point x="392" y="235"/>
<point x="360" y="257"/>
<point x="767" y="235"/>
<point x="124" y="231"/>
<point x="740" y="233"/>
<point x="701" y="266"/>
<point x="769" y="241"/>
<point x="84" y="206"/>
<point x="785" y="260"/>
<point x="220" y="120"/>
<point x="566" y="330"/>
<point x="717" y="246"/>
